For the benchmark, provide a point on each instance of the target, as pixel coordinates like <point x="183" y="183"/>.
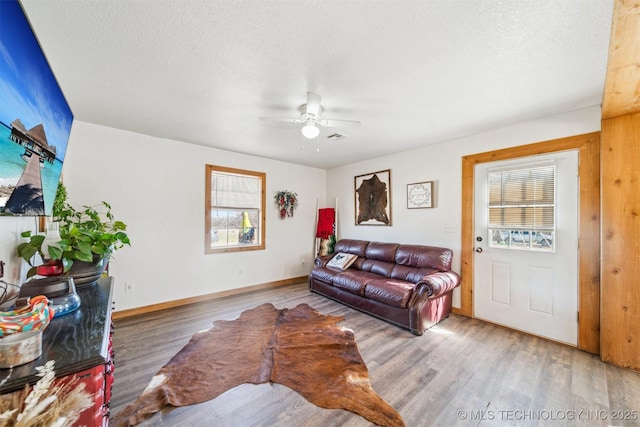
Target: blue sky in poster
<point x="28" y="88"/>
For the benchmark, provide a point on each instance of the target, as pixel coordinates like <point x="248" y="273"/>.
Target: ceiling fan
<point x="310" y="115"/>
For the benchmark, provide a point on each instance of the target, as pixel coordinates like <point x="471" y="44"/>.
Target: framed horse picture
<point x="373" y="198"/>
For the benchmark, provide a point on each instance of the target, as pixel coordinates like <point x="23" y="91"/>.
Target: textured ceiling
<point x="413" y="72"/>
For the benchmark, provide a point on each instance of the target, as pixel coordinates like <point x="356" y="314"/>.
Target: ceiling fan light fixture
<point x="310" y="130"/>
<point x="310" y="118"/>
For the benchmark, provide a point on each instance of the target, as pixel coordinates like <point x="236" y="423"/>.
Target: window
<point x="522" y="208"/>
<point x="234" y="209"/>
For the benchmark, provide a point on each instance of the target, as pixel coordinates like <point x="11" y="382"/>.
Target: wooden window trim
<point x="207" y="206"/>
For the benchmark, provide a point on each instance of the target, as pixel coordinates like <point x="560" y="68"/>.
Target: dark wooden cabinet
<point x="80" y="343"/>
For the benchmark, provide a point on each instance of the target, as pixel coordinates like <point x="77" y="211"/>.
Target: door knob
<point x="479" y="250"/>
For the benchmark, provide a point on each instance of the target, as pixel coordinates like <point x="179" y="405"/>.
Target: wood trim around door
<point x="588" y="146"/>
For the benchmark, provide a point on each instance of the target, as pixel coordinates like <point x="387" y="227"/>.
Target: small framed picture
<point x="420" y="195"/>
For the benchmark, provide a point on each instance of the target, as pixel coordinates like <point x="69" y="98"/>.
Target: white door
<point x="526" y="253"/>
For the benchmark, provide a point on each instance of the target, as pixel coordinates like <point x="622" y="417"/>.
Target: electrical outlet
<point x="1" y="268"/>
<point x="128" y="287"/>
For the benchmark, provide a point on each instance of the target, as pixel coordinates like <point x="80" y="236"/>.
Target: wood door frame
<point x="588" y="146"/>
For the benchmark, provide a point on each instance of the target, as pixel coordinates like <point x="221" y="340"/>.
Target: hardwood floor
<point x="460" y="372"/>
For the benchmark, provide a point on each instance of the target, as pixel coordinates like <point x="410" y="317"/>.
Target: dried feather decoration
<point x="43" y="405"/>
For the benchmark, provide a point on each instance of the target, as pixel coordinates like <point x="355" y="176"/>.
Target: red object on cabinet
<point x="50" y="268"/>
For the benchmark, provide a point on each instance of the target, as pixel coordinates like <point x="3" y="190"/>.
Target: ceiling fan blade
<point x="313" y="104"/>
<point x="339" y="123"/>
<point x="277" y="119"/>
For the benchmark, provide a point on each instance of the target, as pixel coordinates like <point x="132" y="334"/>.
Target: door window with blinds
<point x="522" y="208"/>
<point x="234" y="209"/>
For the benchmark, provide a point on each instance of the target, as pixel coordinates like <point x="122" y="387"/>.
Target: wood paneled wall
<point x="620" y="157"/>
<point x="622" y="86"/>
<point x="620" y="309"/>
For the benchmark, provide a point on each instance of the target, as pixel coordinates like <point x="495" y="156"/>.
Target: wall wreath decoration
<point x="287" y="201"/>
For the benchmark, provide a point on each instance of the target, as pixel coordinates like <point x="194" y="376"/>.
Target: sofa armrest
<point x="322" y="260"/>
<point x="437" y="284"/>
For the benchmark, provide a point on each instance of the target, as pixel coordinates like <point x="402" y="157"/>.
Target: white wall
<point x="441" y="163"/>
<point x="15" y="269"/>
<point x="156" y="186"/>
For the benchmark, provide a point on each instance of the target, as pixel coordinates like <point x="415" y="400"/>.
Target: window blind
<point x="522" y="198"/>
<point x="235" y="191"/>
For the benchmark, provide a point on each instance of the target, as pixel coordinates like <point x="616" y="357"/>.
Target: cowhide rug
<point x="299" y="348"/>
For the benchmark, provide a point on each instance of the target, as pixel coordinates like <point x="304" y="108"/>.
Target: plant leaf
<point x="83" y="256"/>
<point x="54" y="252"/>
<point x="66" y="263"/>
<point x="26" y="252"/>
<point x="37" y="240"/>
<point x="32" y="272"/>
<point x="84" y="247"/>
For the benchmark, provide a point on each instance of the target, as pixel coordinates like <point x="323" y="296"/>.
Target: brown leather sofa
<point x="407" y="285"/>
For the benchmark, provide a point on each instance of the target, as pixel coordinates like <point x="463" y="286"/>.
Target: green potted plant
<point x="88" y="237"/>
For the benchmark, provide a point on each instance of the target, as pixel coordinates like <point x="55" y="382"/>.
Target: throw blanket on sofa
<point x="299" y="348"/>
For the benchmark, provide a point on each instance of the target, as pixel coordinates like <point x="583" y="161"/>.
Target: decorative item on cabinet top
<point x="88" y="236"/>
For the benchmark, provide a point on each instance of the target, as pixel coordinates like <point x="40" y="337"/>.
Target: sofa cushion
<point x="382" y="251"/>
<point x="396" y="293"/>
<point x="382" y="268"/>
<point x="410" y="274"/>
<point x="324" y="274"/>
<point x="358" y="264"/>
<point x="424" y="256"/>
<point x="357" y="247"/>
<point x="353" y="281"/>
